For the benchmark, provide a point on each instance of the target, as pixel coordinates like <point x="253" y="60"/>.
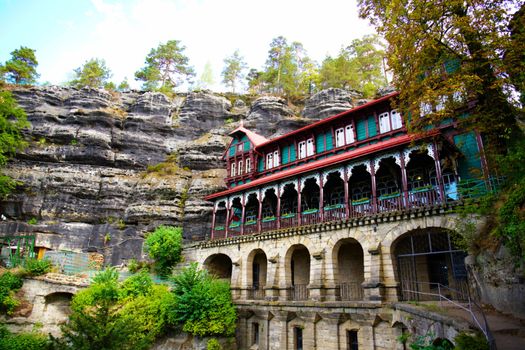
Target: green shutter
<point x="245" y="138"/>
<point x="372" y="128"/>
<point x="247" y="145"/>
<point x="319" y="143"/>
<point x="361" y="129"/>
<point x="232" y="151"/>
<point x="292" y="153"/>
<point x="260" y="166"/>
<point x="284" y="154"/>
<point x="329" y="141"/>
<point x="469" y="166"/>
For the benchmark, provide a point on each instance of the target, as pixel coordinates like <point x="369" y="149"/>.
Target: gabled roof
<point x="321" y="163"/>
<point x="329" y="119"/>
<point x="254" y="138"/>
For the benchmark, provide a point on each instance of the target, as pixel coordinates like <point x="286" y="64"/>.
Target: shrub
<point x="9" y="283"/>
<point x="471" y="342"/>
<point x="203" y="304"/>
<point x="136" y="285"/>
<point x="22" y="341"/>
<point x="164" y="245"/>
<point x="35" y="267"/>
<point x="213" y="344"/>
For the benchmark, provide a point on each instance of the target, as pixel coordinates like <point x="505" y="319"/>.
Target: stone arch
<point x="57" y="307"/>
<point x="297" y="271"/>
<point x="256" y="273"/>
<point x="427" y="261"/>
<point x="219" y="265"/>
<point x="348" y="265"/>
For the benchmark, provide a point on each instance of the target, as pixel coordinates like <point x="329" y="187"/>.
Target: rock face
<point x="102" y="169"/>
<point x="329" y="102"/>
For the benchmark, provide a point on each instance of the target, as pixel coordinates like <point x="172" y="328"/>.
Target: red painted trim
<point x="339" y="158"/>
<point x="329" y="119"/>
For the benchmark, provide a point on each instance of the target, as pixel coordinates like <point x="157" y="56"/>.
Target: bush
<point x="9" y="283"/>
<point x="213" y="344"/>
<point x="203" y="304"/>
<point x="108" y="315"/>
<point x="164" y="245"/>
<point x="22" y="341"/>
<point x="471" y="342"/>
<point x="36" y="267"/>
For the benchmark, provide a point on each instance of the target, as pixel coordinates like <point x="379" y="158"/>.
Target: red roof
<point x="336" y="159"/>
<point x="254" y="138"/>
<point x="329" y="119"/>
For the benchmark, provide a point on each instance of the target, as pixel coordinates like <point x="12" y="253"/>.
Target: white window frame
<point x="339" y="137"/>
<point x="310" y="147"/>
<point x="384" y="123"/>
<point x="349" y="134"/>
<point x="248" y="165"/>
<point x="269" y="160"/>
<point x="232" y="169"/>
<point x="396" y="119"/>
<point x="302" y="149"/>
<point x="240" y="167"/>
<point x="276" y="159"/>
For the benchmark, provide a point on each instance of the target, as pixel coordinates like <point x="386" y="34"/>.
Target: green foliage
<point x="234" y="66"/>
<point x="93" y="73"/>
<point x="511" y="219"/>
<point x="164" y="245"/>
<point x="109" y="315"/>
<point x="12" y="121"/>
<point x="166" y="66"/>
<point x="9" y="283"/>
<point x="124" y="85"/>
<point x="22" y="341"/>
<point x="32" y="221"/>
<point x="35" y="267"/>
<point x="110" y="86"/>
<point x="21" y="68"/>
<point x="466" y="341"/>
<point x="427" y="342"/>
<point x="450" y="52"/>
<point x="203" y="304"/>
<point x="213" y="344"/>
<point x="357" y="67"/>
<point x="136" y="266"/>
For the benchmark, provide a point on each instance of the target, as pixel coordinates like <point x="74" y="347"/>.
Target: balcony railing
<point x="351" y="291"/>
<point x="299" y="292"/>
<point x="256" y="293"/>
<point x="393" y="202"/>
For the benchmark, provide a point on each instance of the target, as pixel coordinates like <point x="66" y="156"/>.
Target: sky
<point x="67" y="33"/>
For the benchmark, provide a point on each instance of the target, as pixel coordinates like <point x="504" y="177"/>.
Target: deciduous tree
<point x="92" y="73"/>
<point x="443" y="52"/>
<point x="166" y="67"/>
<point x="21" y="68"/>
<point x="232" y="73"/>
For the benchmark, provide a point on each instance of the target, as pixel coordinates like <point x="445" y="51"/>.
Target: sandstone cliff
<point x="102" y="169"/>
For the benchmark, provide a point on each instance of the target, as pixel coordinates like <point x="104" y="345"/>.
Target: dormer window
<point x="384" y="122"/>
<point x="276" y="160"/>
<point x="240" y="147"/>
<point x="232" y="170"/>
<point x="302" y="149"/>
<point x="269" y="161"/>
<point x="340" y="137"/>
<point x="349" y="134"/>
<point x="397" y="122"/>
<point x="390" y="121"/>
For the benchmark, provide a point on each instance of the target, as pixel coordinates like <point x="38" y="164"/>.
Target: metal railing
<point x="351" y="291"/>
<point x="395" y="202"/>
<point x="443" y="293"/>
<point x="299" y="292"/>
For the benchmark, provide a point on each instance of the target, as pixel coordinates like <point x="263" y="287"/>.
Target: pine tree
<point x="233" y="70"/>
<point x="93" y="73"/>
<point x="21" y="68"/>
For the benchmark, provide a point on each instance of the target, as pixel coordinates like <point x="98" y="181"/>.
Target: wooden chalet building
<point x="358" y="163"/>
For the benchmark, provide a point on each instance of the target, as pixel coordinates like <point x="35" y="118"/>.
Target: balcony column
<point x="373" y="178"/>
<point x="299" y="201"/>
<point x="434" y="153"/>
<point x="213" y="219"/>
<point x="347" y="197"/>
<point x="259" y="211"/>
<point x="226" y="226"/>
<point x="317" y="266"/>
<point x="404" y="181"/>
<point x="321" y="197"/>
<point x="278" y="214"/>
<point x="243" y="203"/>
<point x="373" y="286"/>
